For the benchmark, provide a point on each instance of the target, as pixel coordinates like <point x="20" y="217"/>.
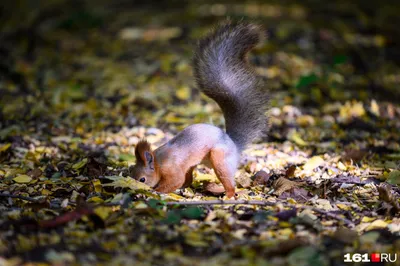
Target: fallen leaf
<point x="80" y="164"/>
<point x="126" y="182"/>
<point x="261" y="178"/>
<point x="22" y="179"/>
<point x="290" y="171"/>
<point x="282" y="184"/>
<point x="394" y="177"/>
<point x="313" y="163"/>
<point x="244" y="180"/>
<point x="5" y="147"/>
<point x="183" y="93"/>
<point x="213" y="188"/>
<point x="377" y="224"/>
<point x="286" y="215"/>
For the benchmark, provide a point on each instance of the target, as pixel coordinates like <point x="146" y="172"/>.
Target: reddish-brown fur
<point x="174" y="161"/>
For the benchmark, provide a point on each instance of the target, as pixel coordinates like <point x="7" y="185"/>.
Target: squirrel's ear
<point x="144" y="154"/>
<point x="149" y="159"/>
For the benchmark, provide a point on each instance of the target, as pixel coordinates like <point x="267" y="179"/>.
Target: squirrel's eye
<point x="143" y="179"/>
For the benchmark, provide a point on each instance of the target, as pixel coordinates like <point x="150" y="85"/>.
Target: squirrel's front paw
<point x="230" y="194"/>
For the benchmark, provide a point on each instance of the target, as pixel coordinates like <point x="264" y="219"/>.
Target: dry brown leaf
<point x="244" y="180"/>
<point x="261" y="178"/>
<point x="213" y="188"/>
<point x="354" y="155"/>
<point x="290" y="171"/>
<point x="282" y="184"/>
<point x="386" y="195"/>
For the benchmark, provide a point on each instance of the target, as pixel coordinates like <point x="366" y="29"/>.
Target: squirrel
<point x="222" y="72"/>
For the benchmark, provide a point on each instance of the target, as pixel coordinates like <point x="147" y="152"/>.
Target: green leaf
<point x="261" y="216"/>
<point x="56" y="175"/>
<point x="80" y="164"/>
<point x="173" y="217"/>
<point x="156" y="204"/>
<point x="394" y="178"/>
<point x="340" y="59"/>
<point x="306" y="80"/>
<point x="192" y="212"/>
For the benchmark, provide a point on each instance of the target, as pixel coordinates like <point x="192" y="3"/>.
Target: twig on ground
<point x="6" y="195"/>
<point x="222" y="202"/>
<point x="347" y="222"/>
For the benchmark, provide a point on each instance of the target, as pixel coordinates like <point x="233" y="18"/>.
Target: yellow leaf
<point x="96" y="200"/>
<point x="296" y="138"/>
<point x="285" y="224"/>
<point x="97" y="185"/>
<point x="171" y="118"/>
<point x="204" y="177"/>
<point x="23" y="179"/>
<point x="285" y="232"/>
<point x="351" y="110"/>
<point x="80" y="164"/>
<point x="367" y="219"/>
<point x="173" y="196"/>
<point x="375" y="108"/>
<point x="305" y="120"/>
<point x="5" y="147"/>
<point x="103" y="212"/>
<point x="343" y="207"/>
<point x="140" y="205"/>
<point x="183" y="93"/>
<point x="126" y="182"/>
<point x="377" y="224"/>
<point x="291" y="201"/>
<point x="313" y="163"/>
<point x="341" y="166"/>
<point x="45" y="192"/>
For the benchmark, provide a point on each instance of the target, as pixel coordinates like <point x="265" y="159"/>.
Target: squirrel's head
<point x="145" y="168"/>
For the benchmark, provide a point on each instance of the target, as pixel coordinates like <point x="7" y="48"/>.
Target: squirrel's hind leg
<point x="224" y="163"/>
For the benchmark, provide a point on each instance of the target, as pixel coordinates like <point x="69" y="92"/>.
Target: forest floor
<point x="80" y="88"/>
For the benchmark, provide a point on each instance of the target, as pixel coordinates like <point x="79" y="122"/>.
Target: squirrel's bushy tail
<point x="223" y="73"/>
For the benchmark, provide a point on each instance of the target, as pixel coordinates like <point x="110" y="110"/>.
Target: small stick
<point x="18" y="197"/>
<point x="219" y="202"/>
<point x="332" y="215"/>
<point x="261" y="203"/>
<point x="222" y="202"/>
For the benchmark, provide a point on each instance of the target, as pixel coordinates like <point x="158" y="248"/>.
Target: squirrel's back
<point x="223" y="73"/>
